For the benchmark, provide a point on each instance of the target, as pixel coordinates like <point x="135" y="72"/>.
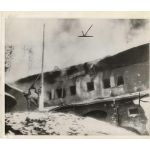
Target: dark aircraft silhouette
<point x="85" y="35"/>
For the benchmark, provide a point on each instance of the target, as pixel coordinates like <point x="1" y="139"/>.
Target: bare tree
<point x="9" y="51"/>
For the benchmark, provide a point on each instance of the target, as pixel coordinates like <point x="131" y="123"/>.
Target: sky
<point x="63" y="47"/>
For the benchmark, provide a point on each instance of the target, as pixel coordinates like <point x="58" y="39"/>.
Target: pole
<point x="41" y="100"/>
<point x="139" y="98"/>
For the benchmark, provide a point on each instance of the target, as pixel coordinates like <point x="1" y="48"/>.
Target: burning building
<point x="105" y="89"/>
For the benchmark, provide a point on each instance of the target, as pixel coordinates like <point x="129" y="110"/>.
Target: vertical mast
<point x="41" y="100"/>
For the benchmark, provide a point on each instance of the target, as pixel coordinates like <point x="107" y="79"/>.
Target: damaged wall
<point x="111" y="76"/>
<point x="135" y="79"/>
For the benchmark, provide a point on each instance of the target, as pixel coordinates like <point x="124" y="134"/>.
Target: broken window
<point x="73" y="90"/>
<point x="61" y="93"/>
<point x="120" y="80"/>
<point x="90" y="86"/>
<point x="106" y="83"/>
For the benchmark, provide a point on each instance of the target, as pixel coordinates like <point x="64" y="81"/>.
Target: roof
<point x="131" y="56"/>
<point x="9" y="95"/>
<point x="9" y="87"/>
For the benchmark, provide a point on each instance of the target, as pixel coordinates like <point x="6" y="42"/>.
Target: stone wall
<point x="117" y="113"/>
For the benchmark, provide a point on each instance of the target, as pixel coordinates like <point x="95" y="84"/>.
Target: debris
<point x="50" y="123"/>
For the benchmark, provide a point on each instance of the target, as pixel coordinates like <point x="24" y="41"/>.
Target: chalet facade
<point x="100" y="85"/>
<point x="124" y="73"/>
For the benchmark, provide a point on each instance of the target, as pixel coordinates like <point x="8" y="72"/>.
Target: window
<point x="61" y="93"/>
<point x="120" y="80"/>
<point x="106" y="83"/>
<point x="64" y="93"/>
<point x="90" y="86"/>
<point x="73" y="90"/>
<point x="133" y="111"/>
<point x="50" y="95"/>
<point x="53" y="93"/>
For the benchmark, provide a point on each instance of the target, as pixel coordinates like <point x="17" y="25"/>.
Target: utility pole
<point x="41" y="99"/>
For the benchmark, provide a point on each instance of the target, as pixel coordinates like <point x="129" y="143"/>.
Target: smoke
<point x="9" y="50"/>
<point x="136" y="24"/>
<point x="65" y="42"/>
<point x="134" y="28"/>
<point x="63" y="47"/>
<point x="68" y="25"/>
<point x="63" y="34"/>
<point x="28" y="54"/>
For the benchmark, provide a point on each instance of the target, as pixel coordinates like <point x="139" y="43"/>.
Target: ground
<point x="146" y="106"/>
<point x="51" y="123"/>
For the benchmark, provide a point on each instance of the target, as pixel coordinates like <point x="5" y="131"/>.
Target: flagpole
<point x="41" y="100"/>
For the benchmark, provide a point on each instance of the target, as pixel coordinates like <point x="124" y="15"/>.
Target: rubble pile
<point x="51" y="123"/>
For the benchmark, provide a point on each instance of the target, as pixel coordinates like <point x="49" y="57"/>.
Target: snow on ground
<point x="146" y="106"/>
<point x="50" y="123"/>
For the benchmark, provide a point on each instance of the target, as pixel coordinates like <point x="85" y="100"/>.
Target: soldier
<point x="32" y="97"/>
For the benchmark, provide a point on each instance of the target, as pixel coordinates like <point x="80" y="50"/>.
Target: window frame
<point x="133" y="114"/>
<point x="122" y="80"/>
<point x="50" y="95"/>
<point x="88" y="84"/>
<point x="62" y="90"/>
<point x="72" y="89"/>
<point x="104" y="83"/>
